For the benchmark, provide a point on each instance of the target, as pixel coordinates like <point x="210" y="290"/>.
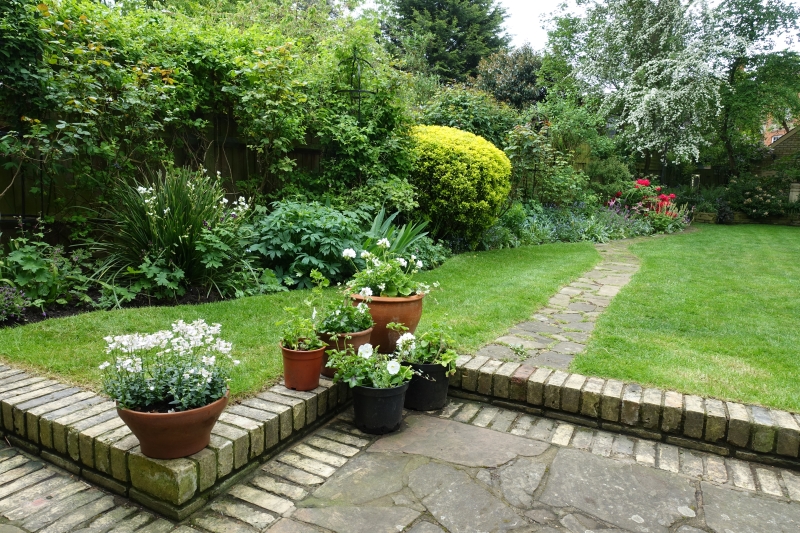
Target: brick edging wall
<point x="81" y="432"/>
<point x="748" y="432"/>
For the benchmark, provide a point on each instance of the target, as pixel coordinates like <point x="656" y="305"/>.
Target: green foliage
<point x="13" y="303"/>
<point x="269" y="104"/>
<point x="470" y="110"/>
<point x="401" y="239"/>
<point x="344" y="317"/>
<point x="457" y="33"/>
<point x="46" y="273"/>
<point x="178" y="370"/>
<point x="434" y="347"/>
<point x="513" y="76"/>
<point x="384" y="274"/>
<point x="607" y="176"/>
<point x="432" y="254"/>
<point x="299" y="326"/>
<point x="367" y="368"/>
<point x="463" y="181"/>
<point x="540" y="171"/>
<point x="296" y="238"/>
<point x="180" y="232"/>
<point x="759" y="197"/>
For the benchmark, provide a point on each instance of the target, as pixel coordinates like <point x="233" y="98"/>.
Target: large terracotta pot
<point x="301" y="368"/>
<point x="337" y="341"/>
<point x="406" y="311"/>
<point x="174" y="435"/>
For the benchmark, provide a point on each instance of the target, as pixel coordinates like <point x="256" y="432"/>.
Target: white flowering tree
<point x="676" y="75"/>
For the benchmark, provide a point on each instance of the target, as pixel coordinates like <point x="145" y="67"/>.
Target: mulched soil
<point x="34" y="314"/>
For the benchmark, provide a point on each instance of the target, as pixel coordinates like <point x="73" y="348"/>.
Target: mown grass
<point x="715" y="312"/>
<point x="481" y="295"/>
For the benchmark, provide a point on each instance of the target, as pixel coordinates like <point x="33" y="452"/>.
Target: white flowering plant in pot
<point x="385" y="273"/>
<point x="174" y="370"/>
<point x="368" y="368"/>
<point x="434" y="347"/>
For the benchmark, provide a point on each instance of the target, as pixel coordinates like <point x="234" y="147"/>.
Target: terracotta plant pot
<point x="406" y="311"/>
<point x="174" y="435"/>
<point x="337" y="341"/>
<point x="301" y="368"/>
<point x="378" y="411"/>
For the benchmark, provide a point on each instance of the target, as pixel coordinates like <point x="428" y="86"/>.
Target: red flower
<point x="663" y="197"/>
<point x="636" y="186"/>
<point x="658" y="189"/>
<point x="671" y="196"/>
<point x="618" y="194"/>
<point x="643" y="182"/>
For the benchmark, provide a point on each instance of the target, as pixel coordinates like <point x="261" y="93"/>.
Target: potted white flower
<point x="387" y="286"/>
<point x="432" y="357"/>
<point x="170" y="386"/>
<point x="379" y="383"/>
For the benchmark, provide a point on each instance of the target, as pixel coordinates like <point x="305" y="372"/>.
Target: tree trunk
<point x="647" y="157"/>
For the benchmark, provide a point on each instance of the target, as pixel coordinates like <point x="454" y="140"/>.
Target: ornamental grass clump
<point x="368" y="368"/>
<point x="385" y="273"/>
<point x="172" y="370"/>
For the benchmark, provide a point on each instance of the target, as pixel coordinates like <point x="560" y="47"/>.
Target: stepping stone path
<point x="558" y="332"/>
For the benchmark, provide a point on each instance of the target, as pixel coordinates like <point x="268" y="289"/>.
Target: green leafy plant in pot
<point x="345" y="323"/>
<point x="301" y="347"/>
<point x="387" y="286"/>
<point x="379" y="383"/>
<point x="433" y="359"/>
<point x="170" y="386"/>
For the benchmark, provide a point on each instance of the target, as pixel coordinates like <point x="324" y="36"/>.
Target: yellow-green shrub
<point x="462" y="181"/>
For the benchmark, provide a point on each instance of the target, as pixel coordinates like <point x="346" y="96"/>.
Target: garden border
<point x="81" y="432"/>
<point x="748" y="432"/>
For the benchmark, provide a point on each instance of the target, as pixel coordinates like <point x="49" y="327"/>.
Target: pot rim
<point x="382" y="389"/>
<point x="440" y="365"/>
<point x="282" y="347"/>
<point x="388" y="299"/>
<point x="142" y="413"/>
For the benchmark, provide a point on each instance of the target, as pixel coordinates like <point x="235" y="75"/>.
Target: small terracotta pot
<point x="301" y="368"/>
<point x="406" y="310"/>
<point x="174" y="435"/>
<point x="337" y="341"/>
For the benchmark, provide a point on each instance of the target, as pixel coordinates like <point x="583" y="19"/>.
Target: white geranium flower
<point x="403" y="262"/>
<point x="349" y="253"/>
<point x="104" y="365"/>
<point x="419" y="264"/>
<point x="382" y="286"/>
<point x="366" y="292"/>
<point x="406" y="342"/>
<point x="365" y="254"/>
<point x="384" y="243"/>
<point x="365" y="351"/>
<point x="393" y="367"/>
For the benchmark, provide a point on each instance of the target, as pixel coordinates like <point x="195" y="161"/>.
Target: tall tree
<point x="675" y="75"/>
<point x="513" y="77"/>
<point x="454" y="34"/>
<point x="757" y="81"/>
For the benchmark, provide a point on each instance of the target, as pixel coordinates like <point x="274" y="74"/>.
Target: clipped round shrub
<point x="462" y="181"/>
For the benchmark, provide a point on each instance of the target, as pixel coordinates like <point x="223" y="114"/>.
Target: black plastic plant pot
<point x="427" y="392"/>
<point x="378" y="411"/>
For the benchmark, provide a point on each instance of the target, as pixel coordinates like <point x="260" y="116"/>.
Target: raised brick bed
<point x="81" y="432"/>
<point x="748" y="432"/>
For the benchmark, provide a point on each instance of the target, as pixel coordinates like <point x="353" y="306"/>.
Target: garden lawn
<point x="715" y="312"/>
<point x="481" y="295"/>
